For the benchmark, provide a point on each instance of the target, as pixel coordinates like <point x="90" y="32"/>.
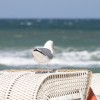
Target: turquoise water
<point x="76" y="42"/>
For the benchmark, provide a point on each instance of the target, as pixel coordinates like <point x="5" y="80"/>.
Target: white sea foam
<point x="80" y="55"/>
<point x="16" y="58"/>
<point x="16" y="61"/>
<point x="26" y="23"/>
<point x="29" y="23"/>
<point x="70" y="58"/>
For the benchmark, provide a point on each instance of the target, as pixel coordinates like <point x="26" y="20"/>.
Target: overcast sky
<point x="49" y="8"/>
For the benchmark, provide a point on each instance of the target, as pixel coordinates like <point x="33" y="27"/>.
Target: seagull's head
<point x="49" y="45"/>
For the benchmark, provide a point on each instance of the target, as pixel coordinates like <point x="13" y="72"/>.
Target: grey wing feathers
<point x="45" y="52"/>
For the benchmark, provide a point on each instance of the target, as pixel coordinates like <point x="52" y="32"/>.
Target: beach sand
<point x="95" y="84"/>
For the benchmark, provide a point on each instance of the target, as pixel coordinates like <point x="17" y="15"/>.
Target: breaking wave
<point x="62" y="57"/>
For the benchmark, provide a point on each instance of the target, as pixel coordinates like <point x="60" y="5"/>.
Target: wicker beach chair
<point x="58" y="85"/>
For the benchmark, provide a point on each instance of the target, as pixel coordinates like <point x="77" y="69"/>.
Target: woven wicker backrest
<point x="29" y="85"/>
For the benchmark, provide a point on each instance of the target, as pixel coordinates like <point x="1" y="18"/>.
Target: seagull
<point x="43" y="54"/>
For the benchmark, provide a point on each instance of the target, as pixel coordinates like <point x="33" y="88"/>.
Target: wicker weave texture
<point x="27" y="85"/>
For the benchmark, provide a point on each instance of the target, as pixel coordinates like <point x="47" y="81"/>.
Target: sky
<point x="50" y="9"/>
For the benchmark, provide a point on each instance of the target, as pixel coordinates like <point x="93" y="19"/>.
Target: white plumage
<point x="44" y="54"/>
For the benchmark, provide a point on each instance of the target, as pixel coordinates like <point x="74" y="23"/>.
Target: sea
<point x="76" y="43"/>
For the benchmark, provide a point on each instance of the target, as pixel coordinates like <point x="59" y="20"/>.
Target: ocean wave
<point x="75" y="63"/>
<point x="15" y="53"/>
<point x="80" y="55"/>
<point x="16" y="58"/>
<point x="69" y="58"/>
<point x="18" y="36"/>
<point x="16" y="61"/>
<point x="20" y="61"/>
<point x="28" y="23"/>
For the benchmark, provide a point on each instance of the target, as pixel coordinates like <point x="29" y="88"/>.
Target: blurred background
<point x="74" y="26"/>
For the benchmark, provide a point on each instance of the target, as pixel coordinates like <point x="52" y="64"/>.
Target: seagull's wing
<point x="45" y="52"/>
